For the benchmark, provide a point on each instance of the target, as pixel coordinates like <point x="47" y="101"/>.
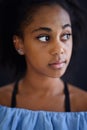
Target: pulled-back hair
<point x="17" y="14"/>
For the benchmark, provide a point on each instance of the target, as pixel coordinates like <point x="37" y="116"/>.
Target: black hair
<point x="17" y="14"/>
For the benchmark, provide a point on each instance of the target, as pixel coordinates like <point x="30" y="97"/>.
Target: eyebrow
<point x="42" y="28"/>
<point x="66" y="25"/>
<point x="49" y="29"/>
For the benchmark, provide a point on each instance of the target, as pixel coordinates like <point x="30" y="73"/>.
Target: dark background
<point x="77" y="71"/>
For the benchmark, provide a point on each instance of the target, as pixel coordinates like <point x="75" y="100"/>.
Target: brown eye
<point x="66" y="36"/>
<point x="44" y="38"/>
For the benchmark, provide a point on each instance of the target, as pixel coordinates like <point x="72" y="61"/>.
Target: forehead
<point x="50" y="16"/>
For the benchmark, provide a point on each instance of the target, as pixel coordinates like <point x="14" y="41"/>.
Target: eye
<point x="43" y="38"/>
<point x="65" y="37"/>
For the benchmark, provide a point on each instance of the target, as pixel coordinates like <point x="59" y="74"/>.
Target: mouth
<point x="57" y="64"/>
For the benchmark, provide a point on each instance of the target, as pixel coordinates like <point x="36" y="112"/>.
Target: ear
<point x="18" y="44"/>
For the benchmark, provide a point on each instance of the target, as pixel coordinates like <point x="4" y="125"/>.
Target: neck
<point x="37" y="83"/>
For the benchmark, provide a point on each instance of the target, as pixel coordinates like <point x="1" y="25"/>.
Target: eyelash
<point x="47" y="37"/>
<point x="66" y="34"/>
<point x="42" y="36"/>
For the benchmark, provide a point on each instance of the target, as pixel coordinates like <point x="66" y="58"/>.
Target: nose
<point x="57" y="49"/>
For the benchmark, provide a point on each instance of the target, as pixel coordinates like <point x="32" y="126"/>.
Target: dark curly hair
<point x="17" y="14"/>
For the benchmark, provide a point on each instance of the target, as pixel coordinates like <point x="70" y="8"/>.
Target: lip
<point x="57" y="64"/>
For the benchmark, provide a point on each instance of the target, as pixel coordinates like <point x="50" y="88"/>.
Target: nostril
<point x="57" y="51"/>
<point x="62" y="51"/>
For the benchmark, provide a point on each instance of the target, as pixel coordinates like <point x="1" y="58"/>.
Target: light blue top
<point x="22" y="119"/>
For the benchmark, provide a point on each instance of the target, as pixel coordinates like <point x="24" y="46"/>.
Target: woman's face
<point x="47" y="43"/>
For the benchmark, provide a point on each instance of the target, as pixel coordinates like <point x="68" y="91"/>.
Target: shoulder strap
<point x="67" y="98"/>
<point x="14" y="93"/>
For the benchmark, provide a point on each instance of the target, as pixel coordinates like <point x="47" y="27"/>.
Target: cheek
<point x="35" y="56"/>
<point x="69" y="46"/>
<point x="69" y="51"/>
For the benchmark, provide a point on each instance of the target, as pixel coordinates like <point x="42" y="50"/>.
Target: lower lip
<point x="57" y="66"/>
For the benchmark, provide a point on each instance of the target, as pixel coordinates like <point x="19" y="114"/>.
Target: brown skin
<point x="47" y="46"/>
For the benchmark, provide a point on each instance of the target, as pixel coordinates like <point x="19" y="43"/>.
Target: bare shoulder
<point x="5" y="94"/>
<point x="77" y="90"/>
<point x="78" y="98"/>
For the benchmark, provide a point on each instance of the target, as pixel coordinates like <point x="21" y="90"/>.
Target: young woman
<point x="37" y="40"/>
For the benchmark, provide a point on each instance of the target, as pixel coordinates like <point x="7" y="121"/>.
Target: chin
<point x="56" y="74"/>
